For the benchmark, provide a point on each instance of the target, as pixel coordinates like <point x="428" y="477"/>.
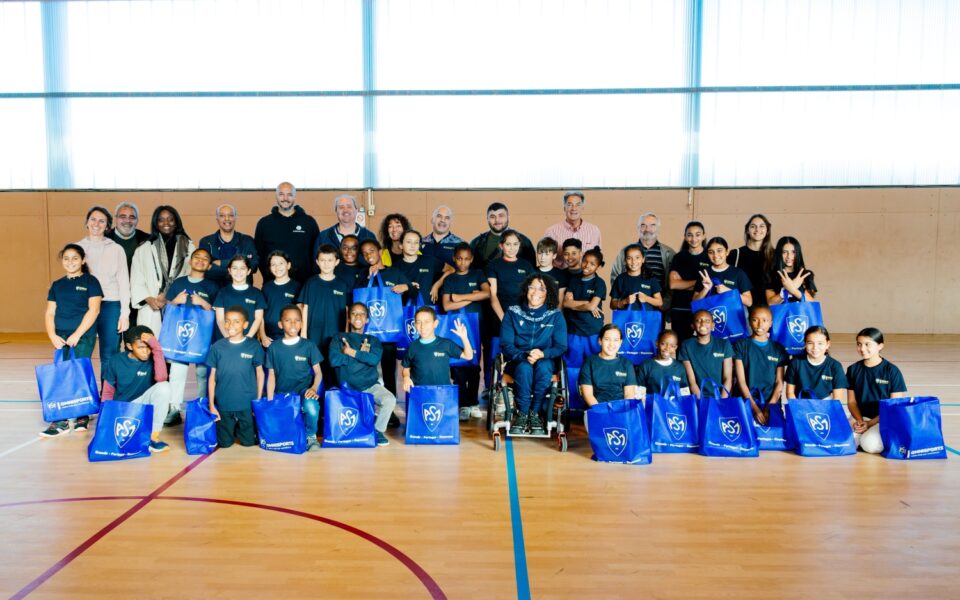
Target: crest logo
<point x="616" y="439"/>
<point x="432" y="415"/>
<point x="411" y="328"/>
<point x="377" y="310"/>
<point x="124" y="428"/>
<point x="731" y="428"/>
<point x="820" y="424"/>
<point x="634" y="333"/>
<point x="348" y="420"/>
<point x="796" y="326"/>
<point x="677" y="424"/>
<point x="186" y="331"/>
<point x="719" y="314"/>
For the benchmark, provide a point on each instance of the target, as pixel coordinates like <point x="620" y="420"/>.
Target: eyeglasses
<point x="537" y="289"/>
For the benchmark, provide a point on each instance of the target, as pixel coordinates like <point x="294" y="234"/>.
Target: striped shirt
<point x="587" y="233"/>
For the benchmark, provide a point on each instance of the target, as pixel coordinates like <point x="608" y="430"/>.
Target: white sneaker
<point x="465" y="413"/>
<point x="475" y="412"/>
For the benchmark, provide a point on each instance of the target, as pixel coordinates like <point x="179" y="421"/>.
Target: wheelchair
<point x="502" y="405"/>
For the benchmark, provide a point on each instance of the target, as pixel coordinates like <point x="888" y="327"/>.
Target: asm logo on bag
<point x="797" y="326"/>
<point x="677" y="424"/>
<point x="820" y="424"/>
<point x="731" y="428"/>
<point x="377" y="310"/>
<point x="634" y="333"/>
<point x="432" y="415"/>
<point x="411" y="328"/>
<point x="616" y="439"/>
<point x="185" y="331"/>
<point x="124" y="428"/>
<point x="719" y="315"/>
<point x="348" y="420"/>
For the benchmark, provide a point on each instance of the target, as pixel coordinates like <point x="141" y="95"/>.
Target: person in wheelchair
<point x="532" y="336"/>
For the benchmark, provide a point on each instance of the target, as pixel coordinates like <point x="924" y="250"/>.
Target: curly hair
<point x="553" y="292"/>
<point x="385" y="240"/>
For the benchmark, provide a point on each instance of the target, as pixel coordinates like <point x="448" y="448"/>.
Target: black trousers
<point x="467" y="380"/>
<point x="236" y="424"/>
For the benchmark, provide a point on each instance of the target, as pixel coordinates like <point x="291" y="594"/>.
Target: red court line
<point x="66" y="560"/>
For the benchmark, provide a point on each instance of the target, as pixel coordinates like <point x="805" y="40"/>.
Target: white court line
<point x="4" y="409"/>
<point x="15" y="448"/>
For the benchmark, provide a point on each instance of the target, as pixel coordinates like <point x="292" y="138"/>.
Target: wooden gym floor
<point x="465" y="522"/>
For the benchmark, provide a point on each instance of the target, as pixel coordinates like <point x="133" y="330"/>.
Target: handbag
<point x="280" y="424"/>
<point x="911" y="428"/>
<point x="773" y="435"/>
<point x="123" y="431"/>
<point x="726" y="425"/>
<point x="673" y="418"/>
<point x="730" y="322"/>
<point x="818" y="427"/>
<point x="791" y="320"/>
<point x="68" y="387"/>
<point x="433" y="415"/>
<point x="199" y="427"/>
<point x="186" y="332"/>
<point x="618" y="433"/>
<point x="640" y="329"/>
<point x="349" y="416"/>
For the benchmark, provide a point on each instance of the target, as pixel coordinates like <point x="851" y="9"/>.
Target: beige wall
<point x="883" y="257"/>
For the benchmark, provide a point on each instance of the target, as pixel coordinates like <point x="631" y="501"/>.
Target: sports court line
<point x="519" y="550"/>
<point x="19" y="401"/>
<point x="66" y="560"/>
<point x="957" y="452"/>
<point x="23" y="445"/>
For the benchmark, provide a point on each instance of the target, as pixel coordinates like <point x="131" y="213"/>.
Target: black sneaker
<point x="519" y="424"/>
<point x="56" y="429"/>
<point x="81" y="423"/>
<point x="173" y="419"/>
<point x="536" y="424"/>
<point x="382" y="439"/>
<point x="394" y="420"/>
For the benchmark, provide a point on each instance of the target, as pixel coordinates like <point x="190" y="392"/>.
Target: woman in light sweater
<point x="108" y="263"/>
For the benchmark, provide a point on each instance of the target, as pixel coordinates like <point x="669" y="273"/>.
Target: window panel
<point x="23" y="148"/>
<point x="21" y="47"/>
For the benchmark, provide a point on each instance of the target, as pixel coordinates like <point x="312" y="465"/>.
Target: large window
<point x="478" y="93"/>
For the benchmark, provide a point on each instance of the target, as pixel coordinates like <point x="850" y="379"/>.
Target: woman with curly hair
<point x="391" y="234"/>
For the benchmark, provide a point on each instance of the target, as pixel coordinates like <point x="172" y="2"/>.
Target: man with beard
<point x="125" y="233"/>
<point x="656" y="257"/>
<point x="226" y="243"/>
<point x="289" y="228"/>
<point x="486" y="246"/>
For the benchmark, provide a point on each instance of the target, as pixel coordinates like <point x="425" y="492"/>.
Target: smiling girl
<point x="720" y="276"/>
<point x="817" y="371"/>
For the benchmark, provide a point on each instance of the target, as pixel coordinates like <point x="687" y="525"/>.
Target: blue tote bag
<point x="348" y="420"/>
<point x="280" y="424"/>
<point x="186" y="333"/>
<point x="726" y="425"/>
<point x="791" y="320"/>
<point x="123" y="431"/>
<point x="773" y="435"/>
<point x="673" y="418"/>
<point x="409" y="324"/>
<point x="618" y="433"/>
<point x="640" y="329"/>
<point x="199" y="427"/>
<point x="68" y="387"/>
<point x="472" y="322"/>
<point x="729" y="319"/>
<point x="819" y="427"/>
<point x="573" y="394"/>
<point x="385" y="310"/>
<point x="911" y="428"/>
<point x="433" y="415"/>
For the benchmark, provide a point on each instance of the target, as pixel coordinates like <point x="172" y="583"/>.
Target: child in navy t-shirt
<point x="706" y="357"/>
<point x="293" y="367"/>
<point x="236" y="378"/>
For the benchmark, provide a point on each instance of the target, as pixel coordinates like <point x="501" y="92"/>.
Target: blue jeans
<point x="311" y="415"/>
<point x="107" y="330"/>
<point x="532" y="383"/>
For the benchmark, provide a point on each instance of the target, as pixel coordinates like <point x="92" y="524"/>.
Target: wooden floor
<point x="413" y="522"/>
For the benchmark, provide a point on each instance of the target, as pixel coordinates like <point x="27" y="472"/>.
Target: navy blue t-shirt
<point x="873" y="384"/>
<point x="732" y="277"/>
<point x="326" y="303"/>
<point x="560" y="276"/>
<point x="582" y="322"/>
<point x="350" y="274"/>
<point x="130" y="377"/>
<point x="277" y="297"/>
<point x="821" y="379"/>
<point x="654" y="377"/>
<point x="626" y="285"/>
<point x="706" y="359"/>
<point x="293" y="365"/>
<point x="425" y="271"/>
<point x="236" y="373"/>
<point x="688" y="267"/>
<point x="429" y="363"/>
<point x="607" y="376"/>
<point x="206" y="289"/>
<point x="72" y="297"/>
<point x="509" y="275"/>
<point x="466" y="283"/>
<point x="250" y="298"/>
<point x="391" y="276"/>
<point x="760" y="362"/>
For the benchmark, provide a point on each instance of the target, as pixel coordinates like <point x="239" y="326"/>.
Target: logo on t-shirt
<point x="718" y="354"/>
<point x="299" y="358"/>
<point x="142" y="373"/>
<point x="246" y="356"/>
<point x="616" y="439"/>
<point x="80" y="288"/>
<point x="249" y="300"/>
<point x="620" y="373"/>
<point x="439" y="355"/>
<point x="286" y="295"/>
<point x="882" y="381"/>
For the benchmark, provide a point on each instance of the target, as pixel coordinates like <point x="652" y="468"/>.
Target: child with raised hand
<point x="279" y="293"/>
<point x="722" y="276"/>
<point x="634" y="287"/>
<point x="293" y="367"/>
<point x="546" y="255"/>
<point x="73" y="305"/>
<point x="816" y="371"/>
<point x="704" y="356"/>
<point x="236" y="378"/>
<point x="427" y="361"/>
<point x="140" y="376"/>
<point x="466" y="289"/>
<point x="759" y="363"/>
<point x="239" y="293"/>
<point x="657" y="372"/>
<point x="582" y="310"/>
<point x="869" y="380"/>
<point x="607" y="376"/>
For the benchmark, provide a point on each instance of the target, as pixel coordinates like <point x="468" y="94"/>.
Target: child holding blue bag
<point x="607" y="376"/>
<point x="706" y="357"/>
<point x="760" y="364"/>
<point x="582" y="310"/>
<point x="816" y="371"/>
<point x="634" y="287"/>
<point x="721" y="276"/>
<point x="870" y="380"/>
<point x="654" y="374"/>
<point x="427" y="361"/>
<point x="293" y="367"/>
<point x="236" y="378"/>
<point x="73" y="305"/>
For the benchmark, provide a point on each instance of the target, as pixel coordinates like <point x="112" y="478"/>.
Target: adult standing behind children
<point x="346" y="209"/>
<point x="126" y="216"/>
<point x="441" y="243"/>
<point x="164" y="257"/>
<point x="108" y="263"/>
<point x="289" y="228"/>
<point x="226" y="243"/>
<point x="573" y="225"/>
<point x="657" y="256"/>
<point x="487" y="246"/>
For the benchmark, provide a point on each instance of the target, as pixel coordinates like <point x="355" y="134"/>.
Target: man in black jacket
<point x="486" y="246"/>
<point x="289" y="228"/>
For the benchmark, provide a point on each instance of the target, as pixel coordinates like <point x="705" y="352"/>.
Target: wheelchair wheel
<point x="496" y="441"/>
<point x="562" y="442"/>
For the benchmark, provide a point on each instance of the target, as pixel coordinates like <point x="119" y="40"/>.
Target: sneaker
<point x="536" y="424"/>
<point x="81" y="423"/>
<point x="394" y="420"/>
<point x="173" y="419"/>
<point x="519" y="424"/>
<point x="382" y="440"/>
<point x="158" y="446"/>
<point x="465" y="413"/>
<point x="312" y="444"/>
<point x="56" y="429"/>
<point x="475" y="412"/>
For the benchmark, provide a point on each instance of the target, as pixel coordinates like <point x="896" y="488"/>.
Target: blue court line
<point x="954" y="404"/>
<point x="21" y="401"/>
<point x="957" y="452"/>
<point x="519" y="551"/>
